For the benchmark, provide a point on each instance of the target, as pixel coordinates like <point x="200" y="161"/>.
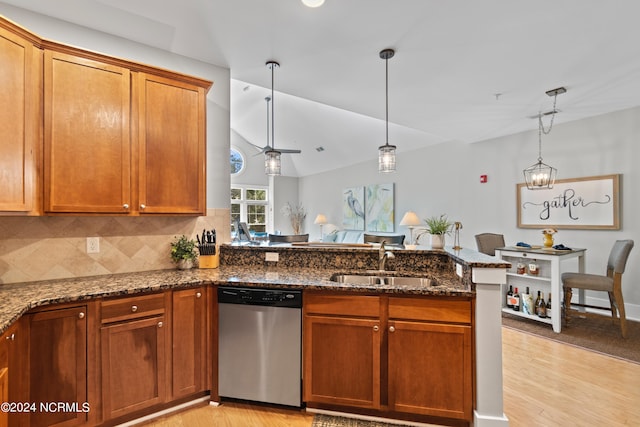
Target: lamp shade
<point x="320" y="219"/>
<point x="410" y="219"/>
<point x="272" y="162"/>
<point x="313" y="3"/>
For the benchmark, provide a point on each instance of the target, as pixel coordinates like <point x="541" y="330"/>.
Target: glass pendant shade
<point x="387" y="158"/>
<point x="540" y="176"/>
<point x="272" y="162"/>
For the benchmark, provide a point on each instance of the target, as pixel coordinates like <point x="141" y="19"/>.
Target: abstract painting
<point x="353" y="208"/>
<point x="379" y="205"/>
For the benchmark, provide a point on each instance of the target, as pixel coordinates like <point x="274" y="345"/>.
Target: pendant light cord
<point x="541" y="128"/>
<point x="386" y="95"/>
<point x="273" y="104"/>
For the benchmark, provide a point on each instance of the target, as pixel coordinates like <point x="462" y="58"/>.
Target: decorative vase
<point x="547" y="241"/>
<point x="437" y="241"/>
<point x="185" y="264"/>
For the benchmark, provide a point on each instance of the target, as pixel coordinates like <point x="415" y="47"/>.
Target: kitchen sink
<point x="358" y="279"/>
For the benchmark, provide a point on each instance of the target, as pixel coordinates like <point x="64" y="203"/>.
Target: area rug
<point x="322" y="420"/>
<point x="590" y="331"/>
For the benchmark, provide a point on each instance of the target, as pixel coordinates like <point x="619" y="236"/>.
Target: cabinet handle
<point x="160" y="324"/>
<point x="134" y="308"/>
<point x="392" y="329"/>
<point x="198" y="294"/>
<point x="142" y="206"/>
<point x="11" y="337"/>
<point x="376" y="328"/>
<point x="81" y="315"/>
<point x="126" y="206"/>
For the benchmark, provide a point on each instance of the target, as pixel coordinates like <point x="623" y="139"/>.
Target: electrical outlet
<point x="459" y="269"/>
<point x="93" y="245"/>
<point x="271" y="256"/>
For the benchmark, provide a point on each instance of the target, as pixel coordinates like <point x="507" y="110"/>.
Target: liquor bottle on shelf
<point x="526" y="303"/>
<point x="541" y="306"/>
<point x="549" y="306"/>
<point x="533" y="268"/>
<point x="515" y="301"/>
<point x="510" y="296"/>
<point x="521" y="266"/>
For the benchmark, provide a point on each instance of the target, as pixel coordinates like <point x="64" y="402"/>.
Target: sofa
<point x="344" y="236"/>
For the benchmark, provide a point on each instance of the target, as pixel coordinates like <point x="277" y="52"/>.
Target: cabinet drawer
<point x="430" y="309"/>
<point x="342" y="305"/>
<point x="131" y="308"/>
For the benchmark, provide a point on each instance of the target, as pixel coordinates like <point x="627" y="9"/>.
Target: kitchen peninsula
<point x="149" y="300"/>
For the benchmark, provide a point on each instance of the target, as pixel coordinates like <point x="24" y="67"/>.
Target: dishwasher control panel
<point x="260" y="296"/>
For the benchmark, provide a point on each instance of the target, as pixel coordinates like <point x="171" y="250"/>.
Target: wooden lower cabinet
<point x="188" y="343"/>
<point x="5" y="343"/>
<point x="410" y="355"/>
<point x="58" y="367"/>
<point x="134" y="355"/>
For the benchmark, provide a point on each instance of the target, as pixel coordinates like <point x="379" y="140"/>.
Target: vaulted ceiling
<point x="463" y="70"/>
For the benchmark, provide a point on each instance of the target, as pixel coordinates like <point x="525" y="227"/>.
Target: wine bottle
<point x="549" y="306"/>
<point x="516" y="300"/>
<point x="510" y="296"/>
<point x="526" y="303"/>
<point x="541" y="306"/>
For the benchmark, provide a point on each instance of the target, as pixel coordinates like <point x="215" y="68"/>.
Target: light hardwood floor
<point x="545" y="384"/>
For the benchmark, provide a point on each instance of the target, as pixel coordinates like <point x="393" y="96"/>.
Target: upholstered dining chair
<point x="389" y="240"/>
<point x="611" y="283"/>
<point x="488" y="242"/>
<point x="288" y="238"/>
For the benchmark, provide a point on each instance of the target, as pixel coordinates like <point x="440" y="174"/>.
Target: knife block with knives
<point x="209" y="256"/>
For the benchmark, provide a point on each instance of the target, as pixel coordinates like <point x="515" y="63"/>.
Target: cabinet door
<point x="86" y="135"/>
<point x="188" y="342"/>
<point x="171" y="146"/>
<point x="20" y="84"/>
<point x="58" y="365"/>
<point x="4" y="376"/>
<point x="342" y="361"/>
<point x="133" y="366"/>
<point x="430" y="369"/>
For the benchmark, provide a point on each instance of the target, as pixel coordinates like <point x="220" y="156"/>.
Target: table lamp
<point x="410" y="220"/>
<point x="320" y="220"/>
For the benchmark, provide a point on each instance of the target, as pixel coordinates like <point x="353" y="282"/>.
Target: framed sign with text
<point x="583" y="203"/>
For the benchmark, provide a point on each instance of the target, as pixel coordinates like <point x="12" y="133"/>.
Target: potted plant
<point x="183" y="252"/>
<point x="438" y="226"/>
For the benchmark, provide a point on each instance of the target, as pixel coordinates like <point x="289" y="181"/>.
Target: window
<point x="250" y="205"/>
<point x="237" y="161"/>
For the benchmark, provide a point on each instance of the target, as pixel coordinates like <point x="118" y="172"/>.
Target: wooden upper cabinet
<point x="171" y="146"/>
<point x="20" y="141"/>
<point x="86" y="135"/>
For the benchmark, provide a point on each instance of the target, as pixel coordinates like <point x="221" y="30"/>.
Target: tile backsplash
<point x="54" y="247"/>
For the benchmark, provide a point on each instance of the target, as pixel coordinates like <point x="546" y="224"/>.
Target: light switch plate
<point x="271" y="256"/>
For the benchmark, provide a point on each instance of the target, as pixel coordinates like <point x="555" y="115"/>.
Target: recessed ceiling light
<point x="313" y="3"/>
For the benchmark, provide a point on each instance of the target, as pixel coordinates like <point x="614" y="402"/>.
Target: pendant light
<point x="272" y="164"/>
<point x="540" y="176"/>
<point x="387" y="152"/>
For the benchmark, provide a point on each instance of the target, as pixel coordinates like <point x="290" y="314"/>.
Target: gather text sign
<point x="589" y="203"/>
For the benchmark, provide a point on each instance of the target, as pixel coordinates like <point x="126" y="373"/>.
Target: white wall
<point x="218" y="104"/>
<point x="445" y="179"/>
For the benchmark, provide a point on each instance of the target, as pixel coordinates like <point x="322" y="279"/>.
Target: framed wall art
<point x="581" y="203"/>
<point x="380" y="207"/>
<point x="353" y="208"/>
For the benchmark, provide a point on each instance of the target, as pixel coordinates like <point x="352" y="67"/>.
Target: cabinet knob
<point x="160" y="324"/>
<point x="392" y="329"/>
<point x="198" y="294"/>
<point x="81" y="315"/>
<point x="11" y="337"/>
<point x="126" y="206"/>
<point x="134" y="308"/>
<point x="142" y="206"/>
<point x="376" y="328"/>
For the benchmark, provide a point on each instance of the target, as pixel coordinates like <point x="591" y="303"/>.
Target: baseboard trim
<point x="369" y="418"/>
<point x="165" y="411"/>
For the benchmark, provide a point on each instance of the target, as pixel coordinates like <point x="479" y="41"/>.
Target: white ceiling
<point x="452" y="58"/>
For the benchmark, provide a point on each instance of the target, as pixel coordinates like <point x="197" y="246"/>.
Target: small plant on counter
<point x="183" y="250"/>
<point x="438" y="225"/>
<point x="296" y="215"/>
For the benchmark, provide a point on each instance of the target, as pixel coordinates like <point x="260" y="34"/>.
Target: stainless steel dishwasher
<point x="259" y="345"/>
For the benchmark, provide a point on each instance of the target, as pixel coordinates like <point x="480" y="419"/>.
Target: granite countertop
<point x="19" y="298"/>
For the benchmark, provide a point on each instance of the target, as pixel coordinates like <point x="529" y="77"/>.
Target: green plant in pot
<point x="183" y="252"/>
<point x="438" y="226"/>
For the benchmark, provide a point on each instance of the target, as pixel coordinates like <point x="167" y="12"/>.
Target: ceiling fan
<point x="268" y="146"/>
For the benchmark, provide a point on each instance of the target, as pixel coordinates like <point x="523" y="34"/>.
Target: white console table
<point x="548" y="279"/>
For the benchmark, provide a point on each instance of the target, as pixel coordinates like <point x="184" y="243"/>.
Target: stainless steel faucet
<point x="383" y="255"/>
